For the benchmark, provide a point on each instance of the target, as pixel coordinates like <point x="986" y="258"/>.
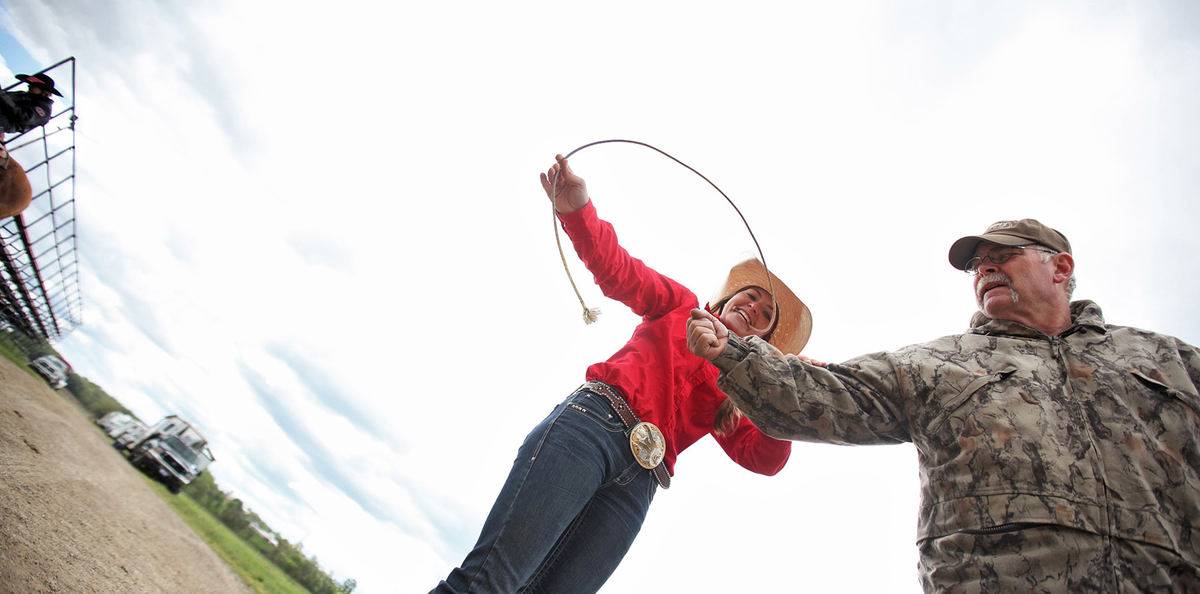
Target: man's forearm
<point x="788" y="398"/>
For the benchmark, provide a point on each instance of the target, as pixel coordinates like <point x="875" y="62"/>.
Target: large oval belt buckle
<point x="648" y="445"/>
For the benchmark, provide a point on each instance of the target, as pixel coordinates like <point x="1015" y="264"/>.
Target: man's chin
<point x="994" y="303"/>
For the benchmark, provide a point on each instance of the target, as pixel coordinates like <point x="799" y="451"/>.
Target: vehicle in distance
<point x="53" y="369"/>
<point x="172" y="451"/>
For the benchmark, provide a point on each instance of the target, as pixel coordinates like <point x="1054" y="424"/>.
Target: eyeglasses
<point x="1002" y="256"/>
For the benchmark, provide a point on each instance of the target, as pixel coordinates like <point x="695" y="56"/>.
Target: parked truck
<point x="128" y="435"/>
<point x="171" y="450"/>
<point x="115" y="423"/>
<point x="53" y="369"/>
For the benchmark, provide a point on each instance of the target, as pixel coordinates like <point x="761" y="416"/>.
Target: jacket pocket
<point x="1165" y="391"/>
<point x="950" y="406"/>
<point x="1004" y="528"/>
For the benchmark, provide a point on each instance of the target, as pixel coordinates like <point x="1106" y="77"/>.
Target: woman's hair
<point x="728" y="416"/>
<point x="726" y="420"/>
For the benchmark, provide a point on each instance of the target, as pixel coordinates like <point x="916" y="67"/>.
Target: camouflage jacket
<point x="1098" y="428"/>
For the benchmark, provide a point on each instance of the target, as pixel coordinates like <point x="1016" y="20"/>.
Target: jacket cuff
<point x="736" y="350"/>
<point x="585" y="213"/>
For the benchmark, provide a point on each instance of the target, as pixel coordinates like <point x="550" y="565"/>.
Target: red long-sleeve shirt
<point x="663" y="381"/>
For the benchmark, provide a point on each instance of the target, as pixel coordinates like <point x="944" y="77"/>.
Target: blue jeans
<point x="571" y="507"/>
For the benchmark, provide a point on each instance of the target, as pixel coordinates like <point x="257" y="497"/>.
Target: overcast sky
<point x="316" y="231"/>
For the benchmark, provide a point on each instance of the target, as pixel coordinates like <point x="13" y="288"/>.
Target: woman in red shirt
<point x="584" y="478"/>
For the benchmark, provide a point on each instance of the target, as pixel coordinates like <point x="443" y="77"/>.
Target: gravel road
<point x="76" y="517"/>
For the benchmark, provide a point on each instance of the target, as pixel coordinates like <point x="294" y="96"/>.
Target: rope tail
<point x="589" y="313"/>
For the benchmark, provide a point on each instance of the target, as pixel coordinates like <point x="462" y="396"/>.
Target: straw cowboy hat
<point x="793" y="322"/>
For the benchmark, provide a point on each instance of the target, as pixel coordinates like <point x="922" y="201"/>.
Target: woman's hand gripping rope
<point x="566" y="190"/>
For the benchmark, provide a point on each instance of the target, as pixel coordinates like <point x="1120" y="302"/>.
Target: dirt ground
<point x="76" y="517"/>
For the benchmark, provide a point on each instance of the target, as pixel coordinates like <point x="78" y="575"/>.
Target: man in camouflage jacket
<point x="1057" y="453"/>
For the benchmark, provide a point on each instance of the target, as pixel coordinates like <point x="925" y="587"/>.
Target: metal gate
<point x="39" y="271"/>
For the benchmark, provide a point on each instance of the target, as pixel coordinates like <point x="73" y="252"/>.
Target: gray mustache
<point x="987" y="279"/>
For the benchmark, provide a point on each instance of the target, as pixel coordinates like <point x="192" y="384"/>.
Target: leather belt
<point x="645" y="440"/>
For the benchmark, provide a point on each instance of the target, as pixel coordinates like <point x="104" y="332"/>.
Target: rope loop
<point x="590" y="314"/>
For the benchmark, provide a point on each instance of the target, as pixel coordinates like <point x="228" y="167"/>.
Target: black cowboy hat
<point x="41" y="80"/>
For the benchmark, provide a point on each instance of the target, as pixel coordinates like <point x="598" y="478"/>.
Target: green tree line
<point x="243" y="522"/>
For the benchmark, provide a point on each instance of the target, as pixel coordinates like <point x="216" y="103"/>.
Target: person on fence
<point x="21" y="111"/>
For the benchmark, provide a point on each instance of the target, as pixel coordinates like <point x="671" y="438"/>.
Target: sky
<point x="316" y="231"/>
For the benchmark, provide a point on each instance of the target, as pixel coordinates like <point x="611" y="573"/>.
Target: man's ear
<point x="1064" y="267"/>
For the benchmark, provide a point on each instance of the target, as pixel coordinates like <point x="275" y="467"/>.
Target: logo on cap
<point x="1000" y="225"/>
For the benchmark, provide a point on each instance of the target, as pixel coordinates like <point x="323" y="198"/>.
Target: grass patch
<point x="12" y="352"/>
<point x="256" y="570"/>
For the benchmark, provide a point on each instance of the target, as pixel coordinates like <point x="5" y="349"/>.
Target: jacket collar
<point x="1084" y="313"/>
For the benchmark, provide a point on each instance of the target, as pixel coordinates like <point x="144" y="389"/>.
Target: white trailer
<point x="117" y="422"/>
<point x="171" y="450"/>
<point x="53" y="369"/>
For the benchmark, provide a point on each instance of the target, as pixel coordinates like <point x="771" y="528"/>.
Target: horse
<point x="15" y="191"/>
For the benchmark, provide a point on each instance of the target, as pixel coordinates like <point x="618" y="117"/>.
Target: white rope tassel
<point x="590" y="314"/>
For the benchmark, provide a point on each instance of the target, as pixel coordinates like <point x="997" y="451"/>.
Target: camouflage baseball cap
<point x="1022" y="232"/>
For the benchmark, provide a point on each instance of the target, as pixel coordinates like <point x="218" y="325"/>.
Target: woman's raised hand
<point x="568" y="190"/>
